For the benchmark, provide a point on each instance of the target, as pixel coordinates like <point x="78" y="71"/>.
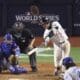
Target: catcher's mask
<point x="67" y="60"/>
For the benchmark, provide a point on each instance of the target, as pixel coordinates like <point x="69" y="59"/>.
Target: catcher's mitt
<point x="13" y="60"/>
<point x="34" y="10"/>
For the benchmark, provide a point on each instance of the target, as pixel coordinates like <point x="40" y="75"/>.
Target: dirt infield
<point x="45" y="72"/>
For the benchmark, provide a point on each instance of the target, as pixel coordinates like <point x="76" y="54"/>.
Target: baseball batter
<point x="72" y="71"/>
<point x="55" y="33"/>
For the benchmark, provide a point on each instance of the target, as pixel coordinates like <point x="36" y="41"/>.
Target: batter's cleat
<point x="57" y="71"/>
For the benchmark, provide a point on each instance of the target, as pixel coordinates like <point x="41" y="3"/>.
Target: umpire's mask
<point x="18" y="26"/>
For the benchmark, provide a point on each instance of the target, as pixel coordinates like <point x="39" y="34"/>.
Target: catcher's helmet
<point x="8" y="37"/>
<point x="67" y="60"/>
<point x="45" y="19"/>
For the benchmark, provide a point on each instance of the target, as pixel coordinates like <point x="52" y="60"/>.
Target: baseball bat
<point x="32" y="51"/>
<point x="35" y="49"/>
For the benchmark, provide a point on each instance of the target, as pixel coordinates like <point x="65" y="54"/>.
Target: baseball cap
<point x="67" y="60"/>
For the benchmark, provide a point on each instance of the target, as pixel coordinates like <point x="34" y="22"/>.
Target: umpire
<point x="25" y="39"/>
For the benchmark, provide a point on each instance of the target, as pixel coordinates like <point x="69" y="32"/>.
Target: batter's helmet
<point x="67" y="60"/>
<point x="44" y="20"/>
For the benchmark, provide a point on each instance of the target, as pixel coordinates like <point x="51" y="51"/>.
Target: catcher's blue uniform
<point x="7" y="48"/>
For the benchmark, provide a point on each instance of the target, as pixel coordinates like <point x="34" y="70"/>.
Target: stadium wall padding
<point x="67" y="10"/>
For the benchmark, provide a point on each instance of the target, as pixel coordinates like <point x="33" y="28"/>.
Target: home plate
<point x="16" y="79"/>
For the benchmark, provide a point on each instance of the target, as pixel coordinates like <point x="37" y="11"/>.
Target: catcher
<point x="9" y="53"/>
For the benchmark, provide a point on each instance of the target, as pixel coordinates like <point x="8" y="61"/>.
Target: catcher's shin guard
<point x="17" y="70"/>
<point x="11" y="69"/>
<point x="21" y="69"/>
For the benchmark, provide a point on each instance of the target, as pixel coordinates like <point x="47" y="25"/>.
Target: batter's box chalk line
<point x="17" y="79"/>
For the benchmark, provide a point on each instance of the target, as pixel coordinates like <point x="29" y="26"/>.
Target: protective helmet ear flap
<point x="67" y="60"/>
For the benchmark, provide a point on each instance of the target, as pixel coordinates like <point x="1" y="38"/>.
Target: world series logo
<point x="34" y="18"/>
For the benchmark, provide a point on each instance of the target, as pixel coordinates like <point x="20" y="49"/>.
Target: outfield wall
<point x="75" y="41"/>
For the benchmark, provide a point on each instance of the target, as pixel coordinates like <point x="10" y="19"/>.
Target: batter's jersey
<point x="56" y="33"/>
<point x="72" y="73"/>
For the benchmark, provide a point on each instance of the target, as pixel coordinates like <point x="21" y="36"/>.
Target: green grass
<point x="75" y="54"/>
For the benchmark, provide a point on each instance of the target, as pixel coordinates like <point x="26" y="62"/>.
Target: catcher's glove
<point x="13" y="60"/>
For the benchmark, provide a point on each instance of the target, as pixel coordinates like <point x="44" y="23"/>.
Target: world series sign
<point x="34" y="18"/>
